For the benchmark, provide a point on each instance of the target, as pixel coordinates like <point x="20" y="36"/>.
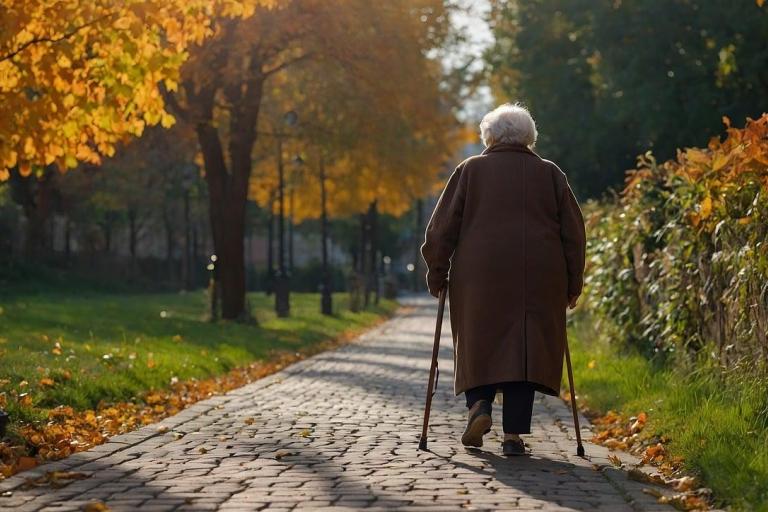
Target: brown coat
<point x="510" y="231"/>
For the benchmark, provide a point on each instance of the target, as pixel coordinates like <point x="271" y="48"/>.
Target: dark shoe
<point x="512" y="447"/>
<point x="478" y="424"/>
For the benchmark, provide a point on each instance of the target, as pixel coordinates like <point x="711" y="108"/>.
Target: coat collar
<point x="504" y="146"/>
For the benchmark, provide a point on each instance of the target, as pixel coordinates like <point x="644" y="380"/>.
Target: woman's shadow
<point x="536" y="478"/>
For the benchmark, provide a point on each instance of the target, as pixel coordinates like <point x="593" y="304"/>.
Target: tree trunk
<point x="282" y="286"/>
<point x="68" y="240"/>
<point x="374" y="266"/>
<point x="170" y="243"/>
<point x="186" y="270"/>
<point x="132" y="235"/>
<point x="34" y="195"/>
<point x="290" y="232"/>
<point x="106" y="228"/>
<point x="228" y="188"/>
<point x="270" y="246"/>
<point x="369" y="263"/>
<point x="326" y="298"/>
<point x="133" y="240"/>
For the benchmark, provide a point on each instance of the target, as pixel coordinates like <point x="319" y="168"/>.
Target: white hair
<point x="510" y="124"/>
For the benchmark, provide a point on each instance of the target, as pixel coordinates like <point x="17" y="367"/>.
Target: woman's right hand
<point x="572" y="301"/>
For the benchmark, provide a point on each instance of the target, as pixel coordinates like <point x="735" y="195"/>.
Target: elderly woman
<point x="509" y="232"/>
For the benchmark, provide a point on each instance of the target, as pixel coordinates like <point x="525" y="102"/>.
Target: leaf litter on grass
<point x="66" y="430"/>
<point x="617" y="432"/>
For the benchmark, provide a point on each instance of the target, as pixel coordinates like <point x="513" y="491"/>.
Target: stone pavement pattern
<point x="340" y="430"/>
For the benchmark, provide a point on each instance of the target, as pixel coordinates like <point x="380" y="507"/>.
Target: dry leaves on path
<point x="617" y="432"/>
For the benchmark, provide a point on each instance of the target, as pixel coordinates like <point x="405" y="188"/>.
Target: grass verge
<point x="717" y="423"/>
<point x="70" y="359"/>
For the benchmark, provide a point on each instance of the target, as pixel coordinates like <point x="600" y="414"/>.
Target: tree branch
<point x="287" y="63"/>
<point x="53" y="40"/>
<point x="171" y="100"/>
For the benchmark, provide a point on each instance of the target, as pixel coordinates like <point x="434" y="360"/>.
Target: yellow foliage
<point x="75" y="73"/>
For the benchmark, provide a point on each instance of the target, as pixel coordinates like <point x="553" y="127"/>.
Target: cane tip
<point x="580" y="451"/>
<point x="423" y="444"/>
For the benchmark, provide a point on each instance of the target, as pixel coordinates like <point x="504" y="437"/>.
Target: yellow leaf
<point x="720" y="161"/>
<point x="591" y="365"/>
<point x="96" y="506"/>
<point x="705" y="208"/>
<point x="697" y="156"/>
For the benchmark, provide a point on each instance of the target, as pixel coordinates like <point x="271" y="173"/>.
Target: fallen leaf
<point x="162" y="429"/>
<point x="249" y="420"/>
<point x="25" y="463"/>
<point x="653" y="492"/>
<point x="642" y="476"/>
<point x="47" y="382"/>
<point x="685" y="502"/>
<point x="685" y="483"/>
<point x="202" y="449"/>
<point x="614" y="460"/>
<point x="96" y="506"/>
<point x="305" y="433"/>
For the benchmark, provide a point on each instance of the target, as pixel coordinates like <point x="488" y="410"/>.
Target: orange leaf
<point x="26" y="463"/>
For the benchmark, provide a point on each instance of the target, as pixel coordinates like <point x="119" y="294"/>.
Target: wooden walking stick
<point x="579" y="446"/>
<point x="434" y="372"/>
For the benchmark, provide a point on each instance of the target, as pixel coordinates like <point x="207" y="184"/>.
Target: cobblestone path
<point x="340" y="430"/>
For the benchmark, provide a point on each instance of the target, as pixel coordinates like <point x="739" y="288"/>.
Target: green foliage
<point x="608" y="79"/>
<point x="717" y="421"/>
<point x="680" y="261"/>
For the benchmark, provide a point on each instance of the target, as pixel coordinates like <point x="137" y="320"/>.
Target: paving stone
<point x="339" y="431"/>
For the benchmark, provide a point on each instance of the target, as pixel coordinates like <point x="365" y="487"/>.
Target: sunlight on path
<point x="339" y="430"/>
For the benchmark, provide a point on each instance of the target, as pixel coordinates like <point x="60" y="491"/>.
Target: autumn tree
<point x="227" y="80"/>
<point x="372" y="137"/>
<point x="75" y="77"/>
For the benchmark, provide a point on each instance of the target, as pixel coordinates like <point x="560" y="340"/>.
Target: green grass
<point x="718" y="423"/>
<point x="115" y="347"/>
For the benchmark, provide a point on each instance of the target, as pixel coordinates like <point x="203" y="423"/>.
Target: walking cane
<point x="579" y="446"/>
<point x="434" y="372"/>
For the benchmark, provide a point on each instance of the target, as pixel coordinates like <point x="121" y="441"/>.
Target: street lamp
<point x="282" y="282"/>
<point x="297" y="163"/>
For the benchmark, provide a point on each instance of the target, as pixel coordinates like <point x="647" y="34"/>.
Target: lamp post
<point x="298" y="162"/>
<point x="282" y="282"/>
<point x="326" y="293"/>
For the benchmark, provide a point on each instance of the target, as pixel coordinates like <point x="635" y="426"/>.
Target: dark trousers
<point x="518" y="403"/>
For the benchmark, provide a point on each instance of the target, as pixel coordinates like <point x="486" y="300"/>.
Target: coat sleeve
<point x="442" y="233"/>
<point x="573" y="235"/>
